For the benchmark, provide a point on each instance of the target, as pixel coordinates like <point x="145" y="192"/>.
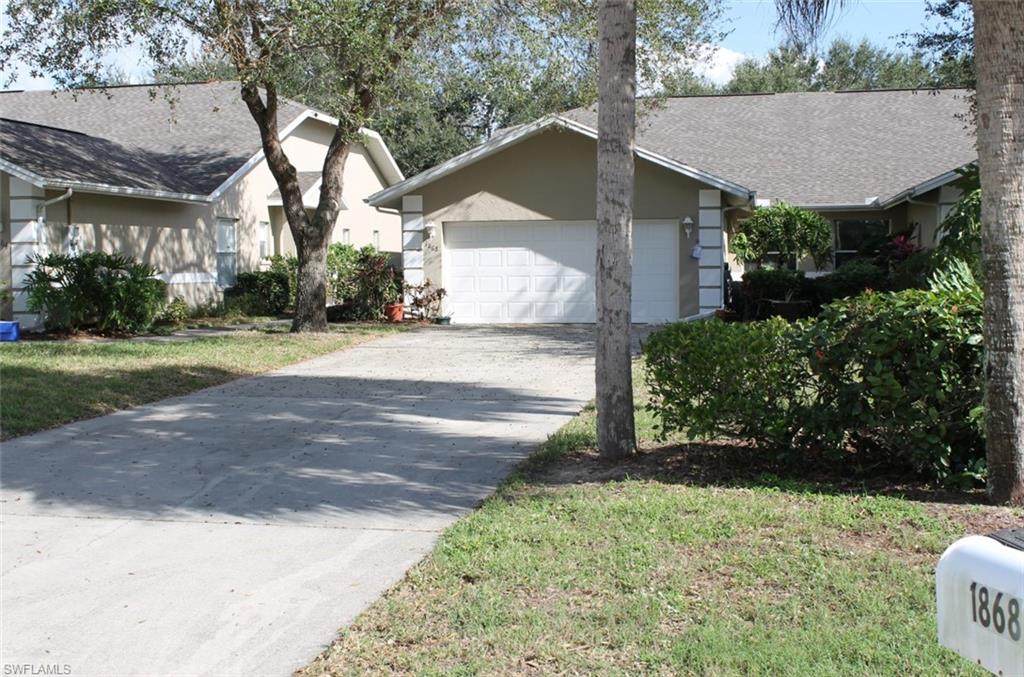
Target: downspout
<point x="41" y="216"/>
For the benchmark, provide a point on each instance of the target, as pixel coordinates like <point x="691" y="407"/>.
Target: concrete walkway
<point x="232" y="531"/>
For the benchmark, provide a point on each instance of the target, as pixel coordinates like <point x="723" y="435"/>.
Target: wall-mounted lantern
<point x="687" y="226"/>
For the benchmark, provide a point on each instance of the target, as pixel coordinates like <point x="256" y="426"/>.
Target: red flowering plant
<point x="897" y="249"/>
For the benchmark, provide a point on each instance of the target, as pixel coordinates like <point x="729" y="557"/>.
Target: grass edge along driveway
<point x="690" y="559"/>
<point x="44" y="384"/>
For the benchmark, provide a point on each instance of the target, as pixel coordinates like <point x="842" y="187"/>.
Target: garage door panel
<point x="544" y="271"/>
<point x="518" y="283"/>
<point x="515" y="258"/>
<point x="545" y="283"/>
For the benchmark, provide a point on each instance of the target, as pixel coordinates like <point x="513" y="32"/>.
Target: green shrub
<point x="850" y="279"/>
<point x="713" y="379"/>
<point x="357" y="280"/>
<point x="899" y="378"/>
<point x="264" y="292"/>
<point x="790" y="231"/>
<point x="175" y="312"/>
<point x="289" y="266"/>
<point x="894" y="378"/>
<point x="376" y="284"/>
<point x="750" y="297"/>
<point x="342" y="266"/>
<point x="112" y="293"/>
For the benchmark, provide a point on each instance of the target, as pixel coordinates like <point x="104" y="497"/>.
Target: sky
<point x="752" y="29"/>
<point x="750" y="22"/>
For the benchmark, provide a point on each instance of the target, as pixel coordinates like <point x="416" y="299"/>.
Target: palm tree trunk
<point x="999" y="62"/>
<point x="616" y="142"/>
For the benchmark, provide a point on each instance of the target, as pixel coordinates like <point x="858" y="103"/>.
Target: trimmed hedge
<point x="110" y="293"/>
<point x="894" y="378"/>
<point x="264" y="292"/>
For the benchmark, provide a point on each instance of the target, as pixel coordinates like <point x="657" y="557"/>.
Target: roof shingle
<point x="186" y="139"/>
<point x="812" y="148"/>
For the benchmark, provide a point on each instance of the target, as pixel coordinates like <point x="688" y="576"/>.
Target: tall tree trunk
<point x="999" y="63"/>
<point x="311" y="292"/>
<point x="311" y="235"/>
<point x="616" y="142"/>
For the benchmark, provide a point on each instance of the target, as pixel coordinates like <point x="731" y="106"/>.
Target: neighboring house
<point x="508" y="227"/>
<point x="173" y="176"/>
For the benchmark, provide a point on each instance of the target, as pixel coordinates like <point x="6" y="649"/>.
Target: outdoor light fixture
<point x="687" y="226"/>
<point x="429" y="230"/>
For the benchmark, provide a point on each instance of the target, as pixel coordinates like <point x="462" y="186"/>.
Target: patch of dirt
<point x="738" y="464"/>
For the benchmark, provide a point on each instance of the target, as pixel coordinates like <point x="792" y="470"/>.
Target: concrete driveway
<point x="232" y="531"/>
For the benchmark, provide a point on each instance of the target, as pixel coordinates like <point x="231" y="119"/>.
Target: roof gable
<point x="187" y="141"/>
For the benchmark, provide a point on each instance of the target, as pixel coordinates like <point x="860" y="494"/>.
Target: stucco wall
<point x="307" y="147"/>
<point x="553" y="176"/>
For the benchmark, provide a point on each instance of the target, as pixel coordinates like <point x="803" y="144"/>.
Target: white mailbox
<point x="979" y="586"/>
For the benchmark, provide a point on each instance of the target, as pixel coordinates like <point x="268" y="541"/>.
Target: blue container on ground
<point x="10" y="331"/>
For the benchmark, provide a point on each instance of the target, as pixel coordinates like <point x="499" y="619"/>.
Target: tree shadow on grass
<point x="739" y="465"/>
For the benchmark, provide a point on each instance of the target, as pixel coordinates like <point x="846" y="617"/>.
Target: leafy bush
<point x="112" y="293"/>
<point x="791" y="231"/>
<point x="895" y="378"/>
<point x="342" y="264"/>
<point x="759" y="286"/>
<point x="175" y="312"/>
<point x="289" y="266"/>
<point x="848" y="280"/>
<point x="899" y="377"/>
<point x="712" y="379"/>
<point x="358" y="280"/>
<point x="263" y="292"/>
<point x="376" y="284"/>
<point x="425" y="299"/>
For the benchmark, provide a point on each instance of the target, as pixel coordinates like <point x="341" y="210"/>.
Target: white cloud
<point x="719" y="64"/>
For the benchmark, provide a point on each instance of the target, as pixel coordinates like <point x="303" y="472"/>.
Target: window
<point x="346" y="236"/>
<point x="264" y="239"/>
<point x="376" y="239"/>
<point x="856" y="237"/>
<point x="227" y="257"/>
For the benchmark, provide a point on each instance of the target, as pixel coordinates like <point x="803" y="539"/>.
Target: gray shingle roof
<point x="306" y="181"/>
<point x="185" y="139"/>
<point x="813" y="148"/>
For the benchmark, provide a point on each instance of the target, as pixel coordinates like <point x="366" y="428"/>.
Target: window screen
<point x="858" y="237"/>
<point x="227" y="255"/>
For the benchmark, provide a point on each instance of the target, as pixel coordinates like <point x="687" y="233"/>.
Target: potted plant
<point x="394" y="310"/>
<point x="443" y="319"/>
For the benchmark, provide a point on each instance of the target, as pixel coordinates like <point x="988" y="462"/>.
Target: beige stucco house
<point x="173" y="176"/>
<point x="508" y="227"/>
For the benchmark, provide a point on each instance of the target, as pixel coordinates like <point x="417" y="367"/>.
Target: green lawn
<point x="689" y="559"/>
<point x="47" y="383"/>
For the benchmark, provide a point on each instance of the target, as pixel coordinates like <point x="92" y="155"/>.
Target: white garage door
<point x="543" y="271"/>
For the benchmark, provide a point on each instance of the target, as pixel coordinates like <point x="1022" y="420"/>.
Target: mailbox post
<point x="979" y="587"/>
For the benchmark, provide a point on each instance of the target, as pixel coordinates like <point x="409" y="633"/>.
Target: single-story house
<point x="173" y="176"/>
<point x="508" y="228"/>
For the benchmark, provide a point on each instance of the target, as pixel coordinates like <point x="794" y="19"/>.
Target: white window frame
<point x="264" y="239"/>
<point x="225" y="247"/>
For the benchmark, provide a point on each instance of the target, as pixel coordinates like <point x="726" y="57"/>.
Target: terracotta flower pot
<point x="395" y="312"/>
